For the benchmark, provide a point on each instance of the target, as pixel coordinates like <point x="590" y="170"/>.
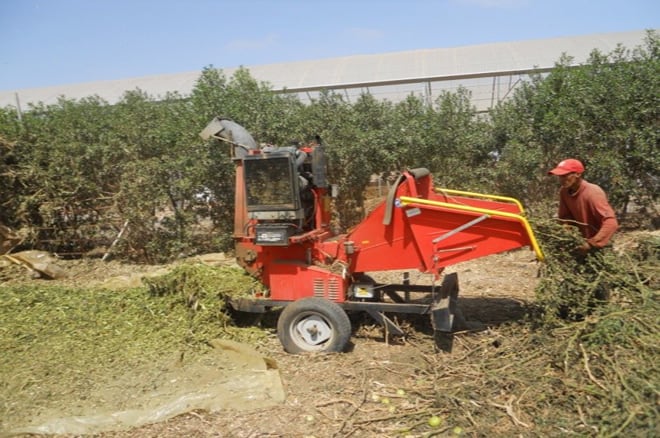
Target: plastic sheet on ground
<point x="233" y="376"/>
<point x="40" y="262"/>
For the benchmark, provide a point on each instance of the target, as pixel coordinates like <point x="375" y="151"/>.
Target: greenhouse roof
<point x="388" y="75"/>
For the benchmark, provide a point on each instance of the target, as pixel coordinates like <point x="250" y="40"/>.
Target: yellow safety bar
<point x="481" y="195"/>
<point x="535" y="246"/>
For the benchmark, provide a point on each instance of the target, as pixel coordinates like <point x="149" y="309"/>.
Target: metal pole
<point x="460" y="228"/>
<point x="429" y="94"/>
<point x="18" y="108"/>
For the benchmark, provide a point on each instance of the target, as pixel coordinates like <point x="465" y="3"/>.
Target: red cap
<point x="569" y="165"/>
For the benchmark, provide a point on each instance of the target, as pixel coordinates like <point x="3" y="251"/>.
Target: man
<point x="585" y="205"/>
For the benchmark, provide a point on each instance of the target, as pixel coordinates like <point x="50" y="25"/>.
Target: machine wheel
<point x="313" y="325"/>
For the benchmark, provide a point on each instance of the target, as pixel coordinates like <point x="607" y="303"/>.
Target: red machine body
<point x="283" y="237"/>
<point x="415" y="227"/>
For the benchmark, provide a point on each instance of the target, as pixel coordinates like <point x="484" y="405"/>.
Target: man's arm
<point x="605" y="233"/>
<point x="602" y="210"/>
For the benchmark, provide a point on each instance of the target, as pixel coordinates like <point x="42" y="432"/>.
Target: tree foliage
<point x="604" y="113"/>
<point x="73" y="173"/>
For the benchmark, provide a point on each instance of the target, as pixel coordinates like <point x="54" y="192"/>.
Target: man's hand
<point x="584" y="248"/>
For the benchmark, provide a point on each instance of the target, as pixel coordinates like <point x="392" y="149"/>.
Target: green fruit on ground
<point x="435" y="421"/>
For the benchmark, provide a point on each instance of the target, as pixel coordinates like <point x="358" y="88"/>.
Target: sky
<point x="58" y="42"/>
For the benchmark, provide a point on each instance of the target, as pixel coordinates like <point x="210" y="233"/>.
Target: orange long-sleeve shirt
<point x="591" y="211"/>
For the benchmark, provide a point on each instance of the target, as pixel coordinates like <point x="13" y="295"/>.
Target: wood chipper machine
<point x="283" y="237"/>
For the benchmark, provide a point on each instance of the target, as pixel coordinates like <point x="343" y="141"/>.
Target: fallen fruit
<point x="457" y="430"/>
<point x="400" y="392"/>
<point x="435" y="421"/>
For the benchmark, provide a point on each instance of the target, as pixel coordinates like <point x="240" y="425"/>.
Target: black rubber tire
<point x="323" y="317"/>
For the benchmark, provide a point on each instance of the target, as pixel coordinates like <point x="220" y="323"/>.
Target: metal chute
<point x="230" y="132"/>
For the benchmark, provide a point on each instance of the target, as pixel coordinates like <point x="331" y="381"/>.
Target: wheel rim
<point x="311" y="332"/>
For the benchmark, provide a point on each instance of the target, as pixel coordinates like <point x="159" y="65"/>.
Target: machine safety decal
<point x="413" y="212"/>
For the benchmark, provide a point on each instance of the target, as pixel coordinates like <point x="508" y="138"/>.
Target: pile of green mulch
<point x="203" y="291"/>
<point x="60" y="344"/>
